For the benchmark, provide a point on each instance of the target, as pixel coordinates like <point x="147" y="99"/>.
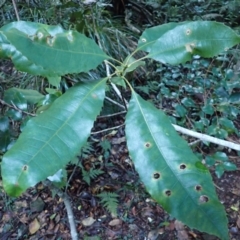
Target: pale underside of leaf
<point x="52" y="139"/>
<point x="170" y="171"/>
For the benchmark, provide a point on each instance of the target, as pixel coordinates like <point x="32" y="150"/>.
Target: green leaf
<point x="52" y="139"/>
<point x="219" y="170"/>
<point x="220" y="156"/>
<point x="118" y="81"/>
<point x="227" y="124"/>
<point x="151" y="35"/>
<point x="59" y="179"/>
<point x="14" y="114"/>
<point x="170" y="171"/>
<point x="91" y="174"/>
<point x="208" y="109"/>
<point x="181" y="111"/>
<point x="228" y="166"/>
<point x="55" y="81"/>
<point x="49" y="51"/>
<point x="14" y="97"/>
<point x="180" y="43"/>
<point x="4" y="133"/>
<point x="234" y="98"/>
<point x="109" y="201"/>
<point x="131" y="64"/>
<point x="31" y="96"/>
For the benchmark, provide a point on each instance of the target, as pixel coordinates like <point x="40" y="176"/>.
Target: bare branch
<point x="16" y="108"/>
<point x="16" y="10"/>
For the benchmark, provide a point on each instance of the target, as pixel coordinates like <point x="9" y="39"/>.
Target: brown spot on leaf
<point x="168" y="193"/>
<point x="188" y="31"/>
<point x="156" y="175"/>
<point x="198" y="187"/>
<point x="25" y="168"/>
<point x="147" y="144"/>
<point x="182" y="166"/>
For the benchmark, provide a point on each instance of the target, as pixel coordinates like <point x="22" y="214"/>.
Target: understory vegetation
<point x="89" y="147"/>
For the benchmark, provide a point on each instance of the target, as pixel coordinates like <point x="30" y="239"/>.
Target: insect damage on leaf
<point x="190" y="47"/>
<point x="25" y="168"/>
<point x="203" y="199"/>
<point x="156" y="175"/>
<point x="168" y="193"/>
<point x="198" y="188"/>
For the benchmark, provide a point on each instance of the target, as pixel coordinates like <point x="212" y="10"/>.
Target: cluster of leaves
<point x="202" y="94"/>
<point x="176" y="10"/>
<point x="85" y="101"/>
<point x="55" y="136"/>
<point x="207" y="101"/>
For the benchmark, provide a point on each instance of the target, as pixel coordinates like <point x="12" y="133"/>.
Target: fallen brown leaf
<point x="115" y="222"/>
<point x="88" y="221"/>
<point x="34" y="226"/>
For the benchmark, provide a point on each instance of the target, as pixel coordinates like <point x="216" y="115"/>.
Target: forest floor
<point x="39" y="214"/>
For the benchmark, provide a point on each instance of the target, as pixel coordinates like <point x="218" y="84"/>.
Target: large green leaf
<point x="30" y="96"/>
<point x="172" y="174"/>
<point x="45" y="50"/>
<point x="177" y="43"/>
<point x="53" y="138"/>
<point x="151" y="35"/>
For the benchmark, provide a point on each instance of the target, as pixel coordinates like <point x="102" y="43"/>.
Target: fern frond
<point x="91" y="174"/>
<point x="109" y="201"/>
<point x="87" y="149"/>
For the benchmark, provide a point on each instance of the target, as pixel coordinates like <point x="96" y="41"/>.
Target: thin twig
<point x="107" y="129"/>
<point x="114" y="102"/>
<point x="71" y="221"/>
<point x="194" y="142"/>
<point x="16" y="108"/>
<point x="68" y="207"/>
<point x="15" y="9"/>
<point x="71" y="176"/>
<point x="112" y="115"/>
<point x="107" y="65"/>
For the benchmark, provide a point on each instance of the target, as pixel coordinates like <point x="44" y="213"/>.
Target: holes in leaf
<point x="25" y="168"/>
<point x="147" y="144"/>
<point x="188" y="31"/>
<point x="32" y="37"/>
<point x="70" y="36"/>
<point x="50" y="40"/>
<point x="198" y="188"/>
<point x="144" y="40"/>
<point x="156" y="175"/>
<point x="190" y="47"/>
<point x="182" y="166"/>
<point x="39" y="35"/>
<point x="203" y="199"/>
<point x="168" y="193"/>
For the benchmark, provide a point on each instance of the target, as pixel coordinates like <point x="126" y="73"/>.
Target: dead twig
<point x="16" y="10"/>
<point x="16" y="108"/>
